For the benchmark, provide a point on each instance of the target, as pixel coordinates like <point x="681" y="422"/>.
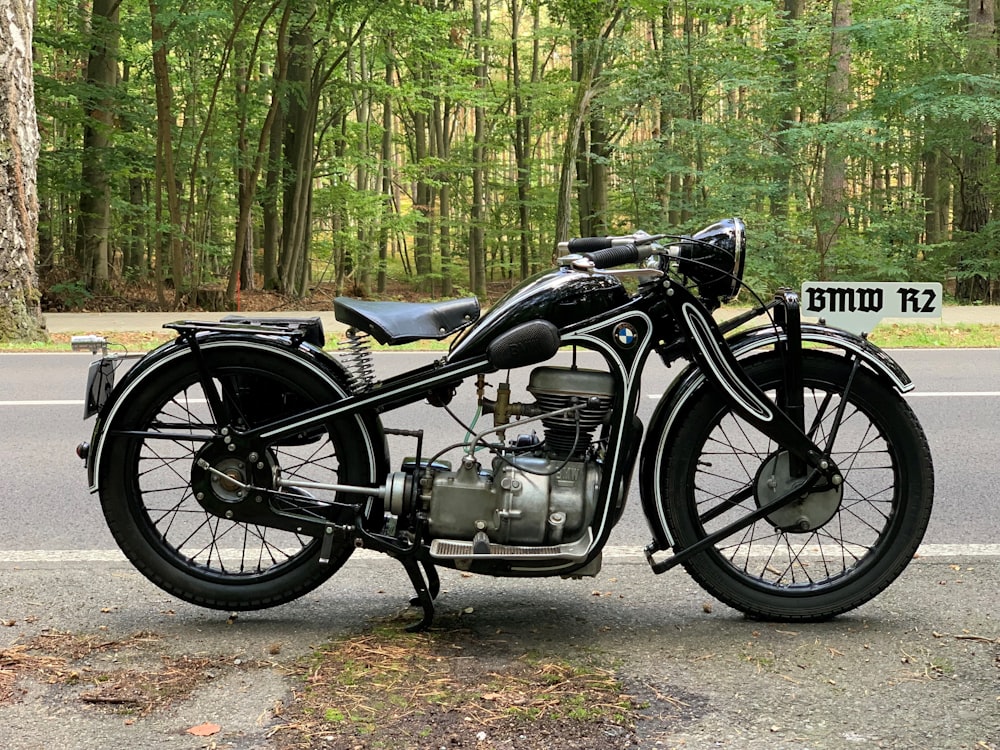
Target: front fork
<point x="787" y="316"/>
<point x="783" y="420"/>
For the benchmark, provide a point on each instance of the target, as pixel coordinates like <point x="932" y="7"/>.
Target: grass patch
<point x="124" y="341"/>
<point x="397" y="690"/>
<point x="936" y="336"/>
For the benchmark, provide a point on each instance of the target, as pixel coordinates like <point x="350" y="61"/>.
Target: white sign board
<point x="857" y="306"/>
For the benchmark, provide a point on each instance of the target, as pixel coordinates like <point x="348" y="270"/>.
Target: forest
<point x="204" y="149"/>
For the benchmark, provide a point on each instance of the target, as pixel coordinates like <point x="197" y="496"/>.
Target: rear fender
<point x="664" y="421"/>
<point x="304" y="354"/>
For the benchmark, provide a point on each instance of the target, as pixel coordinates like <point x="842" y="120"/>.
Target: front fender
<point x="163" y="356"/>
<point x="745" y="344"/>
<point x="751" y="341"/>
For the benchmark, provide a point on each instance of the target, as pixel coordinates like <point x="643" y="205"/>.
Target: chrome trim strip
<point x="720" y="366"/>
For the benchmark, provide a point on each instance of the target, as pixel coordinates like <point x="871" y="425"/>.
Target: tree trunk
<point x="300" y="134"/>
<point x="245" y="177"/>
<point x="832" y="211"/>
<point x="20" y="313"/>
<point x="522" y="131"/>
<point x="93" y="217"/>
<point x="272" y="189"/>
<point x="423" y="199"/>
<point x="166" y="173"/>
<point x="386" y="159"/>
<point x="979" y="148"/>
<point x="597" y="174"/>
<point x="789" y="80"/>
<point x="581" y="103"/>
<point x="974" y="196"/>
<point x="584" y="207"/>
<point x="591" y="54"/>
<point x="931" y="190"/>
<point x="477" y="249"/>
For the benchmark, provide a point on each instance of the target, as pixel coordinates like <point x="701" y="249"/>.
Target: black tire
<point x="857" y="543"/>
<point x="145" y="483"/>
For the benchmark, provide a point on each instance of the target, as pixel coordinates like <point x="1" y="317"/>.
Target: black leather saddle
<point x="402" y="322"/>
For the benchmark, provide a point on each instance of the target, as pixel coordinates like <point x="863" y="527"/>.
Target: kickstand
<point x="411" y="558"/>
<point x="433" y="581"/>
<point x="427" y="589"/>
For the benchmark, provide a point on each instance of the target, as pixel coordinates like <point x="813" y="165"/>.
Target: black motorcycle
<point x="240" y="465"/>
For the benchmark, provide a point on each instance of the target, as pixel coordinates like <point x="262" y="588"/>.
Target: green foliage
<point x="975" y="262"/>
<point x="710" y="107"/>
<point x="69" y="295"/>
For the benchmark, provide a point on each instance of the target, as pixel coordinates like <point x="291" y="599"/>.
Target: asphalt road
<point x="957" y="400"/>
<point x="915" y="668"/>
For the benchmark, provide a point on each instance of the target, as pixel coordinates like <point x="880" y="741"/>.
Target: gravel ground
<point x="919" y="667"/>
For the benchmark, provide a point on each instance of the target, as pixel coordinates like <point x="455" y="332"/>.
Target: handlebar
<point x="580" y="245"/>
<point x="588" y="244"/>
<point x="713" y="258"/>
<point x="607" y="252"/>
<point x="617" y="256"/>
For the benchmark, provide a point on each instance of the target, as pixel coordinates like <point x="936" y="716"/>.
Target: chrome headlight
<point x="714" y="259"/>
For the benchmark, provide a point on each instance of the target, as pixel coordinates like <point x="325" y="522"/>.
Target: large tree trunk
<point x="932" y="190"/>
<point x="975" y="203"/>
<point x="94" y="215"/>
<point x="20" y="313"/>
<point x="387" y="171"/>
<point x="166" y="173"/>
<point x="522" y="136"/>
<point x="598" y="158"/>
<point x="300" y="138"/>
<point x="246" y="180"/>
<point x="477" y="249"/>
<point x="423" y="200"/>
<point x="272" y="189"/>
<point x="831" y="212"/>
<point x="789" y="77"/>
<point x="973" y="194"/>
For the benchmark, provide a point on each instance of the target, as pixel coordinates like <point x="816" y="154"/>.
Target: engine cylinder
<point x="558" y="387"/>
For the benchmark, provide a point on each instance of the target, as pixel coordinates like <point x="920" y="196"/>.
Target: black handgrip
<point x="589" y="244"/>
<point x="614" y="256"/>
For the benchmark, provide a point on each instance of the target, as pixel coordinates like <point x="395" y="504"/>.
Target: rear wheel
<point x="168" y="515"/>
<point x="832" y="550"/>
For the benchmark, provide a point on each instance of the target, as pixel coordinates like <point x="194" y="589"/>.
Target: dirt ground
<point x="92" y="656"/>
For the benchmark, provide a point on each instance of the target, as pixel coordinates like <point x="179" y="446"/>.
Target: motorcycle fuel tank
<point x="561" y="296"/>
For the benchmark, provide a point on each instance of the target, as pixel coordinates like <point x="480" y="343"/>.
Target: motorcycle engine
<point x="533" y="492"/>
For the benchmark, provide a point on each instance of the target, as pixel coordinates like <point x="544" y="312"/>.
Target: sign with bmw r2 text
<point x="858" y="306"/>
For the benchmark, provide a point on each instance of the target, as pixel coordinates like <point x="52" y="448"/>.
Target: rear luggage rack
<point x="309" y="330"/>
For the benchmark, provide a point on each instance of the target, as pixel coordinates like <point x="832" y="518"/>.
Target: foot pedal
<point x="481" y="544"/>
<point x="452" y="549"/>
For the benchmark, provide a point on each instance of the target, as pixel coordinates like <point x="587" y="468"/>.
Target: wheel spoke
<point x="727" y="503"/>
<point x="191" y="533"/>
<point x="725" y="478"/>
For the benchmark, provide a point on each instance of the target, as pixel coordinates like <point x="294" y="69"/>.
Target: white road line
<point x="77" y="402"/>
<point x="610" y="553"/>
<point x="952" y="394"/>
<point x="917" y="394"/>
<point x="913" y="394"/>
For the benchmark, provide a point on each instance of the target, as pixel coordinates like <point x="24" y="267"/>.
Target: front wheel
<point x="153" y="492"/>
<point x="832" y="550"/>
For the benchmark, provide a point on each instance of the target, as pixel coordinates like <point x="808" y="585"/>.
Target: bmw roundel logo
<point x="625" y="334"/>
